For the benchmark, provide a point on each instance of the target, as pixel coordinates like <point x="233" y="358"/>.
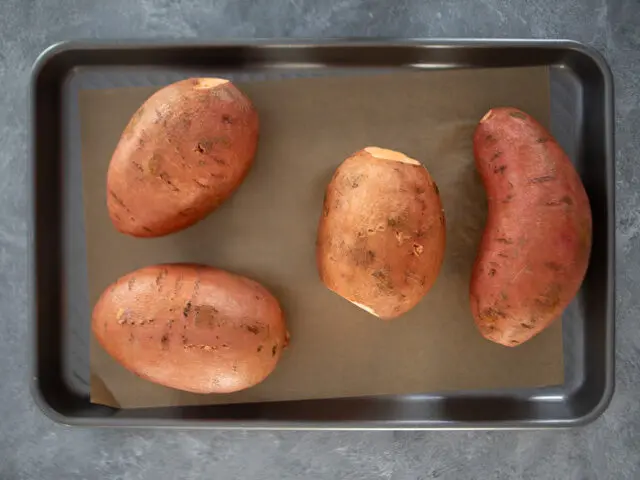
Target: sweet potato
<point x="191" y="327"/>
<point x="185" y="151"/>
<point x="536" y="244"/>
<point x="381" y="236"/>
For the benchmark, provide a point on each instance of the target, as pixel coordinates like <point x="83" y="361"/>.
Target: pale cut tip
<point x="365" y="308"/>
<point x="386" y="154"/>
<point x="209" y="83"/>
<point x="487" y="116"/>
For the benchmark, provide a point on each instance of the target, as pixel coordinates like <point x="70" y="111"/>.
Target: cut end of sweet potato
<point x="386" y="154"/>
<point x="487" y="116"/>
<point x="365" y="308"/>
<point x="209" y="83"/>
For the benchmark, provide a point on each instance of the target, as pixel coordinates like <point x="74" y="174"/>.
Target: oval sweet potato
<point x="535" y="247"/>
<point x="184" y="152"/>
<point x="381" y="236"/>
<point x="191" y="327"/>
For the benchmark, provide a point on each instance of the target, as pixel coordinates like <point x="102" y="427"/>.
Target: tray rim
<point x="56" y="49"/>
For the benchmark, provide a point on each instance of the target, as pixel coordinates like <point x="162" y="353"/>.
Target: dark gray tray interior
<point x="582" y="121"/>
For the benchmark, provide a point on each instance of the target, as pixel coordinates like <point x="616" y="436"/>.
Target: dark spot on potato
<point x="164" y="341"/>
<point x="490" y="138"/>
<point x="137" y="166"/>
<point x="203" y="146"/>
<point x="505" y="241"/>
<point x="259" y="348"/>
<point x="492" y="272"/>
<point x="436" y="189"/>
<point x="554" y="266"/>
<point x="252" y="329"/>
<point x="354" y="182"/>
<point x="224" y="345"/>
<point x="131" y="337"/>
<point x="234" y="367"/>
<point x="147" y="229"/>
<point x="526" y="325"/>
<point x="274" y="349"/>
<point x="200" y="184"/>
<point x="541" y="179"/>
<point x="567" y="200"/>
<point x="491" y="314"/>
<point x="542" y="140"/>
<point x="508" y="198"/>
<point x="500" y="169"/>
<point x="442" y="219"/>
<point x="186" y="310"/>
<point x="514" y="342"/>
<point x="496" y="155"/>
<point x="219" y="161"/>
<point x="166" y="179"/>
<point x="383" y="281"/>
<point x="226" y="119"/>
<point x="420" y="190"/>
<point x="160" y="278"/>
<point x="170" y="322"/>
<point x="519" y="115"/>
<point x="503" y="255"/>
<point x="184" y="339"/>
<point x="118" y="200"/>
<point x="187" y="212"/>
<point x="510" y="184"/>
<point x="503" y="296"/>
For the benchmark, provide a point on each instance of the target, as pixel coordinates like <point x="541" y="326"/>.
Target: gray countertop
<point x="31" y="446"/>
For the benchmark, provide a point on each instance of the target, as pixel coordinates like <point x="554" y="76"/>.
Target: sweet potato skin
<point x="192" y="328"/>
<point x="381" y="236"/>
<point x="536" y="244"/>
<point x="184" y="152"/>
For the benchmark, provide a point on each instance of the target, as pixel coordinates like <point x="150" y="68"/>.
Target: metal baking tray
<point x="582" y="121"/>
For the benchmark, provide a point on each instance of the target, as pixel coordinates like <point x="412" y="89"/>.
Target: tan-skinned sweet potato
<point x="191" y="327"/>
<point x="184" y="152"/>
<point x="536" y="244"/>
<point x="381" y="236"/>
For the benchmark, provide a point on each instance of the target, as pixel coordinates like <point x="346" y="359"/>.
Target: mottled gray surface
<point x="31" y="446"/>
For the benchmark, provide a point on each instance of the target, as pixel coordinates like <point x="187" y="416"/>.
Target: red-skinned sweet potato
<point x="537" y="240"/>
<point x="191" y="327"/>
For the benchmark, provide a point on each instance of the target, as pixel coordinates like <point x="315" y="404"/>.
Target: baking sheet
<point x="267" y="232"/>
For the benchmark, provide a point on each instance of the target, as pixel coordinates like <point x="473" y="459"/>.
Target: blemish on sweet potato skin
<point x="180" y="136"/>
<point x="181" y="323"/>
<point x="538" y="257"/>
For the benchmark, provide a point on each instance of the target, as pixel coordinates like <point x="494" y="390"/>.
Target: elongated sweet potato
<point x="537" y="240"/>
<point x="191" y="327"/>
<point x="381" y="236"/>
<point x="184" y="152"/>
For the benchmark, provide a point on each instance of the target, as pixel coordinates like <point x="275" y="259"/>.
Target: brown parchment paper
<point x="267" y="231"/>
